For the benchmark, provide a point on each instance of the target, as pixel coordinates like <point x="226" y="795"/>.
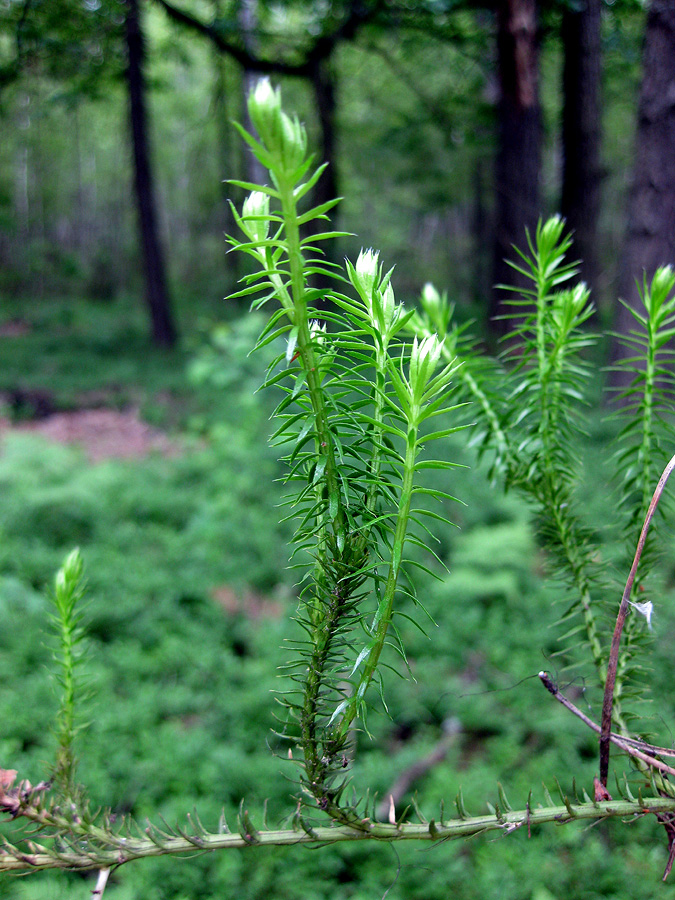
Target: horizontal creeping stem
<point x="128" y="849"/>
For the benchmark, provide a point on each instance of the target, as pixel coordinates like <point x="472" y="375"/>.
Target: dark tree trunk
<point x="519" y="139"/>
<point x="481" y="234"/>
<point x="226" y="154"/>
<point x="650" y="238"/>
<point x="580" y="202"/>
<point x="248" y="20"/>
<point x="163" y="329"/>
<point x="323" y="83"/>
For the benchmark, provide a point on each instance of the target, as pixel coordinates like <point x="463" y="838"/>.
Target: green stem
<point x="550" y="368"/>
<point x="323" y="438"/>
<point x="65" y="761"/>
<point x="645" y="453"/>
<point x="116" y="850"/>
<point x="622" y="663"/>
<point x="384" y="612"/>
<point x="498" y="435"/>
<point x="565" y="533"/>
<point x="375" y="462"/>
<point x="318" y="749"/>
<point x="67" y="592"/>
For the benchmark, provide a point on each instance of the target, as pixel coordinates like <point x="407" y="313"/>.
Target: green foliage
<point x="646" y="402"/>
<point x="363" y="384"/>
<point x="415" y="143"/>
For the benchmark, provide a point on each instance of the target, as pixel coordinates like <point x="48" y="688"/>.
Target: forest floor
<point x="101" y="433"/>
<point x="174" y="499"/>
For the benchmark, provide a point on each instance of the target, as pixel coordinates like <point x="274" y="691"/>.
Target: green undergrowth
<point x="191" y="594"/>
<point x="183" y="678"/>
<point x="189" y="597"/>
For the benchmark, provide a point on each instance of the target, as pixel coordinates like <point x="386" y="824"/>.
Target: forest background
<point x="450" y="127"/>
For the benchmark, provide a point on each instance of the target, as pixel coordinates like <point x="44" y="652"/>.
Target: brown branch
<point x="628" y="745"/>
<point x="245" y="58"/>
<point x="612" y="664"/>
<point x="322" y="48"/>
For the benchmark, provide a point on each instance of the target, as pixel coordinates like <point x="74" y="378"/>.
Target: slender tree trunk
<point x="650" y="238"/>
<point x="163" y="329"/>
<point x="248" y="20"/>
<point x="225" y="152"/>
<point x="323" y="82"/>
<point x="22" y="199"/>
<point x="518" y="159"/>
<point x="580" y="202"/>
<point x="481" y="232"/>
<point x="651" y="224"/>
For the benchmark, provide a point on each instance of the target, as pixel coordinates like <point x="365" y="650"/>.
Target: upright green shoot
<point x="355" y="397"/>
<point x="528" y="409"/>
<point x="533" y="426"/>
<point x="68" y="656"/>
<point x="646" y="441"/>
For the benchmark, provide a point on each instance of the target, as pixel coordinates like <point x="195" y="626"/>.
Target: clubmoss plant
<point x="356" y="399"/>
<point x="69" y="673"/>
<point x="367" y="388"/>
<point x="530" y="410"/>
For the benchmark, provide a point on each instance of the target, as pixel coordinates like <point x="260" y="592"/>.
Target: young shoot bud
<point x="424" y="358"/>
<point x="284" y="138"/>
<point x="437" y="309"/>
<point x="318" y="332"/>
<point x="254" y="216"/>
<point x="431" y="299"/>
<point x="388" y="308"/>
<point x="550" y="233"/>
<point x="293" y="145"/>
<point x="664" y="280"/>
<point x="384" y="313"/>
<point x="655" y="297"/>
<point x="68" y="576"/>
<point x="571" y="308"/>
<point x="264" y="108"/>
<point x="324" y="353"/>
<point x="366" y="274"/>
<point x="423" y="385"/>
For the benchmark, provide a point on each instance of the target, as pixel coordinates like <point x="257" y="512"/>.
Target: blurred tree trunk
<point x="227" y="149"/>
<point x="322" y="78"/>
<point x="580" y="202"/>
<point x="518" y="160"/>
<point x="481" y="232"/>
<point x="157" y="295"/>
<point x="224" y="155"/>
<point x="248" y="20"/>
<point x="650" y="238"/>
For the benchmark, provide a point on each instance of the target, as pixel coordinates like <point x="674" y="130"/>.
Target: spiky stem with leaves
<point x="360" y="395"/>
<point x="68" y="656"/>
<point x="357" y="399"/>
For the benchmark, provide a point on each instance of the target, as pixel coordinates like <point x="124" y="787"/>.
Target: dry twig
<point x="608" y="700"/>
